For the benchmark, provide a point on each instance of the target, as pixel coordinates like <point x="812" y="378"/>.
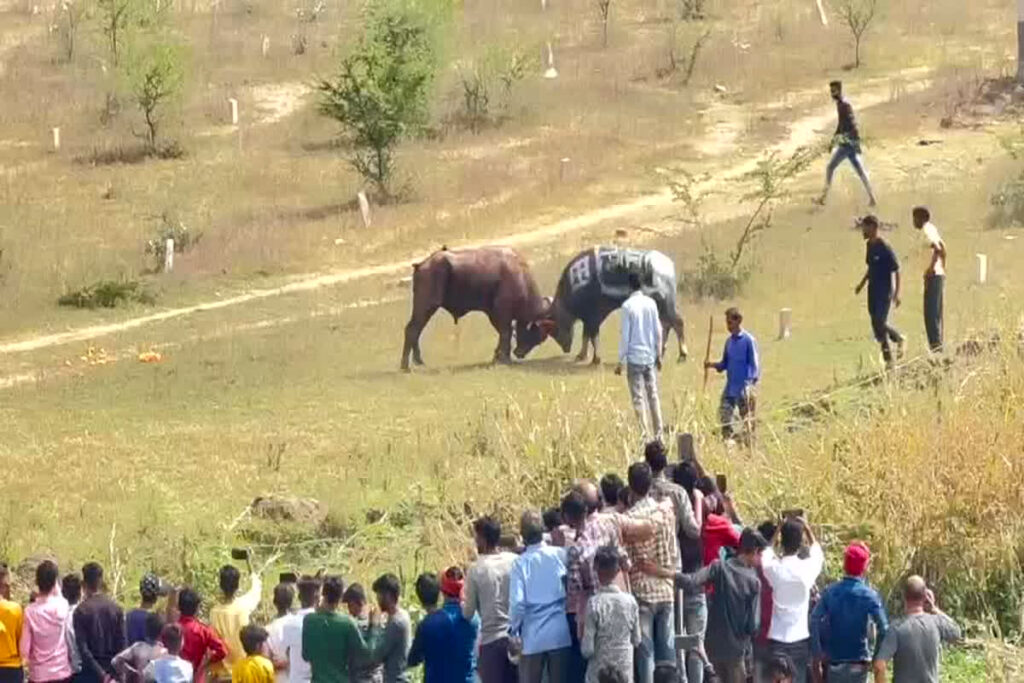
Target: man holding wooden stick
<point x="742" y="366"/>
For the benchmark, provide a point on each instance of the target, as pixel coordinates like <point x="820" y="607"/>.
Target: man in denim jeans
<point x="846" y="143"/>
<point x="839" y="623"/>
<point x="653" y="563"/>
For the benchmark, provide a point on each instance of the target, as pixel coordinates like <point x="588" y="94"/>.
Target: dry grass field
<point x="280" y="331"/>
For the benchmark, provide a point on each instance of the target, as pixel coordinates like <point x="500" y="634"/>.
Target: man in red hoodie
<point x="722" y="524"/>
<point x="201" y="645"/>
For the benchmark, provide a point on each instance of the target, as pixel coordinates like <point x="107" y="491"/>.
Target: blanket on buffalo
<point x="610" y="267"/>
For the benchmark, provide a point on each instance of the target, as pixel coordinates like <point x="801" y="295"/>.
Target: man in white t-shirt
<point x="291" y="630"/>
<point x="934" y="276"/>
<point x="791" y="578"/>
<point x="284" y="596"/>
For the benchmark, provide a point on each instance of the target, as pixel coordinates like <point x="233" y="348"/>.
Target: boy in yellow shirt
<point x="256" y="667"/>
<point x="11" y="623"/>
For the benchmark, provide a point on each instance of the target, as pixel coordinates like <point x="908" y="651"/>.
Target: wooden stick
<point x="707" y="353"/>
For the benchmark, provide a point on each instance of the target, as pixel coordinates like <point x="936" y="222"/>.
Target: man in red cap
<point x="462" y="665"/>
<point x="839" y="623"/>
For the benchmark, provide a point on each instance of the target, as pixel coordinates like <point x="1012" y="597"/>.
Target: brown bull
<point x="494" y="280"/>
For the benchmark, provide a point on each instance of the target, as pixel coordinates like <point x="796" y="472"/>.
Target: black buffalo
<point x="595" y="283"/>
<point x="494" y="280"/>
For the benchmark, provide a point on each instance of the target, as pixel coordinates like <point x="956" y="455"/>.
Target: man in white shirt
<point x="791" y="578"/>
<point x="284" y="596"/>
<point x="291" y="630"/>
<point x="640" y="350"/>
<point x="934" y="276"/>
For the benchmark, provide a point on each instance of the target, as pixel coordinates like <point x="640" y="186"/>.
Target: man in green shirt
<point x="331" y="639"/>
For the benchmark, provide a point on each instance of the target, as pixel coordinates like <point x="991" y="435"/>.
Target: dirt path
<point x="802" y="132"/>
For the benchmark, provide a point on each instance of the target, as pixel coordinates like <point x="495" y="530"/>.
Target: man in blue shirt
<point x="883" y="280"/>
<point x="640" y="349"/>
<point x="742" y="369"/>
<point x="839" y="622"/>
<point x="536" y="609"/>
<point x="445" y="641"/>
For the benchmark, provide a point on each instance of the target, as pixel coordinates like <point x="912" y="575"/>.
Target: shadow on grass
<point x="555" y="366"/>
<point x="321" y="213"/>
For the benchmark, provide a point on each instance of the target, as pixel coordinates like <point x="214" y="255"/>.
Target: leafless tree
<point x="72" y="12"/>
<point x="857" y="15"/>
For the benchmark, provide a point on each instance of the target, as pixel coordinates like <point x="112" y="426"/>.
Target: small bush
<point x="131" y="154"/>
<point x="170" y="228"/>
<point x="1008" y="200"/>
<point x="714" y="277"/>
<point x="107" y="294"/>
<point x="1007" y="204"/>
<point x="485" y="82"/>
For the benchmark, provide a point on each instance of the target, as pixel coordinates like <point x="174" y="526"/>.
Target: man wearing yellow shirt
<point x="231" y="615"/>
<point x="11" y="620"/>
<point x="255" y="667"/>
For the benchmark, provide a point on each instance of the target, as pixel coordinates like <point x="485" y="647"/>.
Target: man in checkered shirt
<point x="654" y="593"/>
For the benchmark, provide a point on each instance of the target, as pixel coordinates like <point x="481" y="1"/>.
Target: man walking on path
<point x="934" y="277"/>
<point x="914" y="643"/>
<point x="487" y="595"/>
<point x="883" y="281"/>
<point x="742" y="366"/>
<point x="847" y="145"/>
<point x="839" y="623"/>
<point x="791" y="579"/>
<point x="640" y="350"/>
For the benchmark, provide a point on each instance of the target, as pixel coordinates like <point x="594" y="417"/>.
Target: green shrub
<point x="170" y="228"/>
<point x="107" y="294"/>
<point x="714" y="277"/>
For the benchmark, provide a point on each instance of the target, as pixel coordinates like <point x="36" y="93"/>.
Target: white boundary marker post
<point x="265" y="45"/>
<point x="56" y="138"/>
<point x="169" y="255"/>
<point x="821" y="14"/>
<point x="234" y="110"/>
<point x="364" y="208"/>
<point x="551" y="71"/>
<point x="982" y="268"/>
<point x="785" y="323"/>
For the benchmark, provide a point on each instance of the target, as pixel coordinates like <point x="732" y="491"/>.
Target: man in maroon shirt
<point x="201" y="645"/>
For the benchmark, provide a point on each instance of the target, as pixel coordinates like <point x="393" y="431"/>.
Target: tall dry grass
<point x="927" y="468"/>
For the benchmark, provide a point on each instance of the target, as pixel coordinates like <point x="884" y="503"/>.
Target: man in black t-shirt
<point x="845" y="145"/>
<point x="883" y="281"/>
